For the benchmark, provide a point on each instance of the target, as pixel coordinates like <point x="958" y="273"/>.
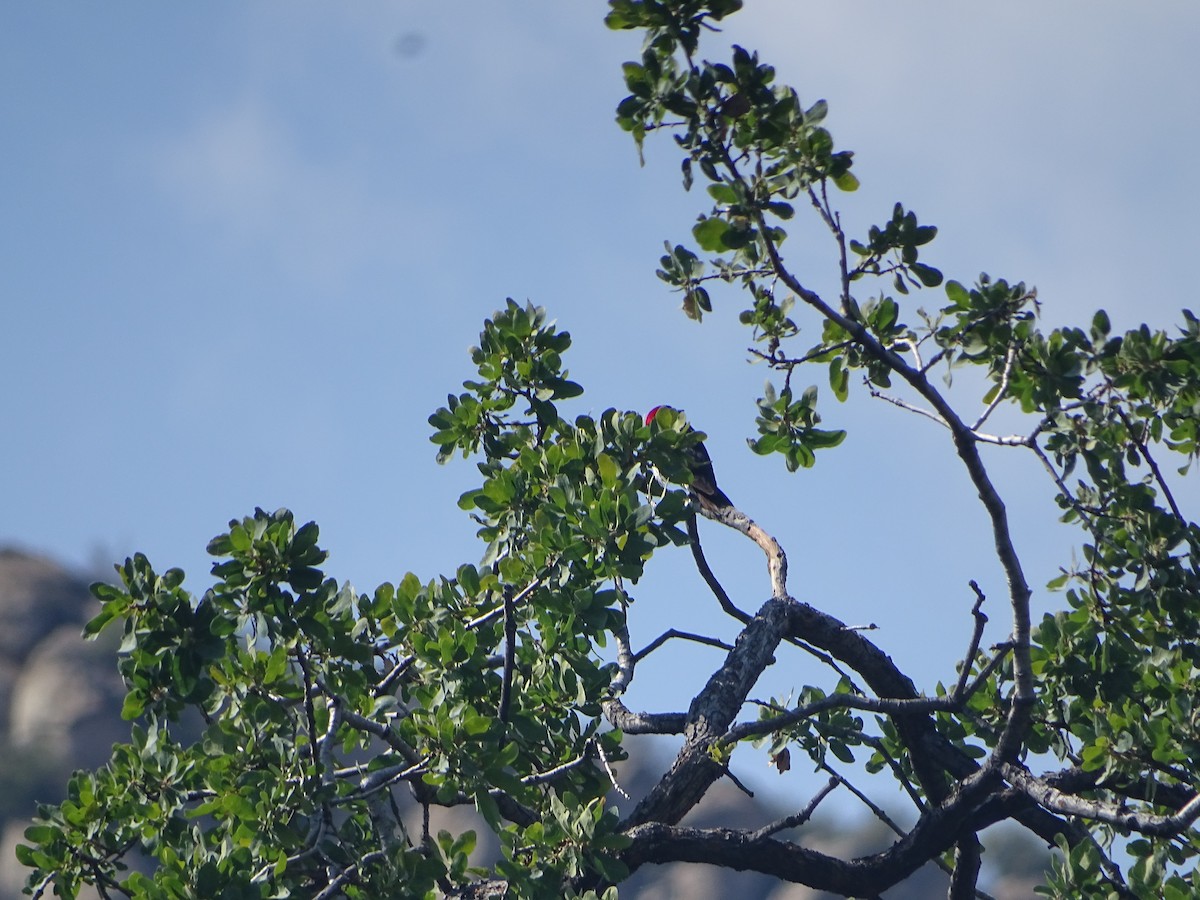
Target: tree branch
<point x="1067" y="804"/>
<point x="710" y="714"/>
<point x="682" y="635"/>
<point x="868" y="876"/>
<point x="976" y="636"/>
<point x="964" y="880"/>
<point x="796" y="819"/>
<point x="623" y="718"/>
<point x="734" y="518"/>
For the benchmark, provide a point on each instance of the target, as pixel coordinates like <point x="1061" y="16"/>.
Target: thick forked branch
<point x="931" y="753"/>
<point x="867" y="876"/>
<point x="710" y="715"/>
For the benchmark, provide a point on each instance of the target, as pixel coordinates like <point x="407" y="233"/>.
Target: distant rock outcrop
<point x="60" y="696"/>
<point x="36" y="597"/>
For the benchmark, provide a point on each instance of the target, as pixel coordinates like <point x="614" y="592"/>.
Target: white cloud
<point x="242" y="170"/>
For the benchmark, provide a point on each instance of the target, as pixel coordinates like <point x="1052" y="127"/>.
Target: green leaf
<point x="839" y="378"/>
<point x="608" y="469"/>
<point x="927" y="275"/>
<point x="40" y="834"/>
<point x="710" y="234"/>
<point x="823" y="440"/>
<point x="958" y="295"/>
<point x="848" y="182"/>
<point x="97" y="624"/>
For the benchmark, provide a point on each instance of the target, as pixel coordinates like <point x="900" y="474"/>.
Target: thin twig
<point x="888" y="706"/>
<point x="1002" y="440"/>
<point x="905" y="405"/>
<point x="796" y="819"/>
<point x="682" y="635"/>
<point x="333" y="889"/>
<point x="736" y="783"/>
<point x="385" y="683"/>
<point x="551" y="774"/>
<point x="709" y="577"/>
<point x="870" y="804"/>
<point x="494" y="614"/>
<point x="612" y="776"/>
<point x="1158" y="475"/>
<point x="381" y="778"/>
<point x="1001" y="391"/>
<point x="792" y="362"/>
<point x="981" y="619"/>
<point x="897" y="770"/>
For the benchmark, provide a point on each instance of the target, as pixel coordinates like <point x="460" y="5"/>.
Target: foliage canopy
<point x="324" y="711"/>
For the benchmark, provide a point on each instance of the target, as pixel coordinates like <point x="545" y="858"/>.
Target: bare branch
<point x="1002" y="440"/>
<point x="711" y="713"/>
<point x="612" y="776"/>
<point x="797" y="819"/>
<point x="1001" y="391"/>
<point x="617" y="713"/>
<point x="965" y="876"/>
<point x="327" y="741"/>
<point x="866" y="801"/>
<point x="520" y="597"/>
<point x="1063" y="490"/>
<point x="710" y="579"/>
<point x="625" y="660"/>
<point x="733" y="611"/>
<point x="789" y="362"/>
<point x="557" y="771"/>
<point x="897" y="770"/>
<point x="381" y="731"/>
<point x="905" y="405"/>
<point x="1144" y="823"/>
<point x="682" y="635"/>
<point x="623" y="718"/>
<point x="385" y="684"/>
<point x="1158" y="475"/>
<point x="885" y="705"/>
<point x="728" y="773"/>
<point x="734" y="518"/>
<point x="348" y="874"/>
<point x="381" y="778"/>
<point x="976" y="636"/>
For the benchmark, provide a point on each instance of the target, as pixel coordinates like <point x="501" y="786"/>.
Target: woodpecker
<point x="704" y="480"/>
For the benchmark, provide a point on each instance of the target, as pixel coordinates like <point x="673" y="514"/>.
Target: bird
<point x="704" y="479"/>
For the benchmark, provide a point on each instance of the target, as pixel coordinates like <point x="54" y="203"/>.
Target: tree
<point x="322" y="709"/>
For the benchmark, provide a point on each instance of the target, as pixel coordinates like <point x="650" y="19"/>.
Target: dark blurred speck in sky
<point x="410" y="45"/>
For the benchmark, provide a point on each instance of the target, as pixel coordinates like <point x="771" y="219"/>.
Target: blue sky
<point x="245" y="247"/>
